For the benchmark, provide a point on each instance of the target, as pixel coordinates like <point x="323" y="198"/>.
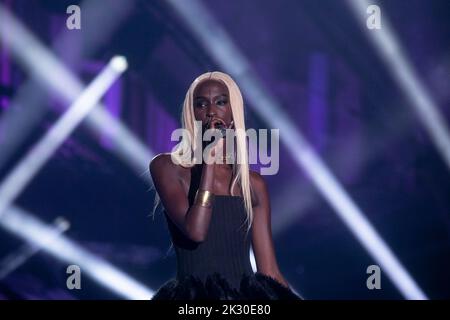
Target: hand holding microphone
<point x="218" y="124"/>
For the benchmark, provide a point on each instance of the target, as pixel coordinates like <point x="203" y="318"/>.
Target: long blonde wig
<point x="183" y="151"/>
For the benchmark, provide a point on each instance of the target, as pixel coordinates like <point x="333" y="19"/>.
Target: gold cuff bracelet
<point x="204" y="198"/>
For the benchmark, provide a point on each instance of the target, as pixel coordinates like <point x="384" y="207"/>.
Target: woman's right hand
<point x="217" y="149"/>
<point x="210" y="157"/>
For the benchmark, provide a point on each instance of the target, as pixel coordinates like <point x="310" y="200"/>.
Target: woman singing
<point x="216" y="209"/>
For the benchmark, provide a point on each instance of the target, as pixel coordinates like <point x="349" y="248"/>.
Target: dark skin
<point x="212" y="106"/>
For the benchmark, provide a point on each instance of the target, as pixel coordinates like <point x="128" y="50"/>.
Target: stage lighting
<point x="389" y="48"/>
<point x="60" y="81"/>
<point x="221" y="47"/>
<point x="24" y="171"/>
<point x="50" y="239"/>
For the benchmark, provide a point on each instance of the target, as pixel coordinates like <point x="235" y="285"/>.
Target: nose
<point x="210" y="112"/>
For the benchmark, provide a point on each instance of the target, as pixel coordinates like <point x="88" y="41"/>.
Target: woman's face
<point x="212" y="104"/>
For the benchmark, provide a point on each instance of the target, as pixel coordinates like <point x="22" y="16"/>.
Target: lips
<point x="216" y="123"/>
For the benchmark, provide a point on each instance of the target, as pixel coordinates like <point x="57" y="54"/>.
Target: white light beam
<point x="389" y="48"/>
<point x="65" y="85"/>
<point x="16" y="259"/>
<point x="31" y="229"/>
<point x="24" y="171"/>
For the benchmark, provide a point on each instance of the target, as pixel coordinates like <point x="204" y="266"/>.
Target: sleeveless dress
<point x="219" y="268"/>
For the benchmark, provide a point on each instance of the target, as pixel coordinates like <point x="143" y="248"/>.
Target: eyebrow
<point x="219" y="96"/>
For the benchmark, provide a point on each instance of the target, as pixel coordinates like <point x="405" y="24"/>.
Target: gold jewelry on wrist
<point x="204" y="198"/>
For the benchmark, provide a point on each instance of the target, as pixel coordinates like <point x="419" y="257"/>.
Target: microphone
<point x="219" y="125"/>
<point x="223" y="130"/>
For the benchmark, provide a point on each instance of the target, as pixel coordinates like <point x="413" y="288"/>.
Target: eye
<point x="201" y="103"/>
<point x="222" y="102"/>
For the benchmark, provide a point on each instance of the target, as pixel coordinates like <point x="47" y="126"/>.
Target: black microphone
<point x="223" y="130"/>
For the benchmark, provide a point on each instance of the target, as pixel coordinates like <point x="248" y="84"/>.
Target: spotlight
<point x="119" y="64"/>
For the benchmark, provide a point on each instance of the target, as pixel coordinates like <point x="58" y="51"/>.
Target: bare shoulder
<point x="259" y="188"/>
<point x="257" y="180"/>
<point x="162" y="164"/>
<point x="160" y="160"/>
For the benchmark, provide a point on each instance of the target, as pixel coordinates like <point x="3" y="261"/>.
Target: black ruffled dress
<point x="219" y="268"/>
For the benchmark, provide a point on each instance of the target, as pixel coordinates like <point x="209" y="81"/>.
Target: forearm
<point x="198" y="217"/>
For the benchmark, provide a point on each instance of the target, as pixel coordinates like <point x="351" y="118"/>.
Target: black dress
<point x="219" y="268"/>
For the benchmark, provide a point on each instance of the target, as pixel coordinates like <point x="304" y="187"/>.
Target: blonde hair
<point x="182" y="153"/>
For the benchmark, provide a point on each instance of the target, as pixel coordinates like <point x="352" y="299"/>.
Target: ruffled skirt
<point x="256" y="286"/>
